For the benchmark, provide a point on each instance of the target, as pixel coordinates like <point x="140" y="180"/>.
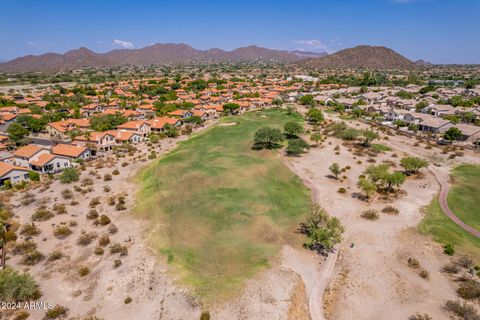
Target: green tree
<point x="17" y="287"/>
<point x="335" y="170"/>
<point x="293" y="129"/>
<point x="230" y="108"/>
<point x="395" y="179"/>
<point x="267" y="138"/>
<point x="367" y="186"/>
<point x="316" y="137"/>
<point x="315" y="116"/>
<point x="107" y="121"/>
<point x="452" y="134"/>
<point x="17" y="133"/>
<point x="69" y="175"/>
<point x="413" y="164"/>
<point x="368" y="137"/>
<point x="33" y="176"/>
<point x="170" y="131"/>
<point x="306" y="100"/>
<point x="277" y="102"/>
<point x="322" y="230"/>
<point x="296" y="146"/>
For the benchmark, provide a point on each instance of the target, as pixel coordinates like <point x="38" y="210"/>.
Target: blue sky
<point x="440" y="31"/>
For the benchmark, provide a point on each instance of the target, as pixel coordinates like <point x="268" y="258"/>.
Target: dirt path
<point x="442" y="179"/>
<point x="314" y="273"/>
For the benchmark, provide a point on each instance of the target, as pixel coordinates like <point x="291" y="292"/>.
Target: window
<point x="58" y="164"/>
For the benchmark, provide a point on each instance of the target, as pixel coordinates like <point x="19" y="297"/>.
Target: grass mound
<point x="218" y="210"/>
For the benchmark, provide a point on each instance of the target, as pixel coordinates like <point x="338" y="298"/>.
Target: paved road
<point x="442" y="180"/>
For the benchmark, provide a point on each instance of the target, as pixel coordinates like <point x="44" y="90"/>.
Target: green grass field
<point x="463" y="197"/>
<point x="461" y="200"/>
<point x="219" y="211"/>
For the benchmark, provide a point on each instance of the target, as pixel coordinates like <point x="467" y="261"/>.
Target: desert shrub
<point x="86" y="238"/>
<point x="104" y="240"/>
<point x="413" y="263"/>
<point x="342" y="190"/>
<point x="106" y="189"/>
<point x="107" y="177"/>
<point x="69" y="175"/>
<point x="24" y="247"/>
<point x="390" y="210"/>
<point x="462" y="310"/>
<point x="15" y="286"/>
<point x="32" y="257"/>
<point x="27" y="199"/>
<point x="87" y="182"/>
<point x="469" y="290"/>
<point x="92" y="214"/>
<point x="83" y="271"/>
<point x="424" y="274"/>
<point x="451" y="268"/>
<point x="117" y="263"/>
<point x="112" y="229"/>
<point x="465" y="262"/>
<point x="120" y="204"/>
<point x="72" y="223"/>
<point x="115" y="172"/>
<point x="118" y="248"/>
<point x="94" y="202"/>
<point x="124" y="164"/>
<point x="73" y="203"/>
<point x="67" y="194"/>
<point x="127" y="300"/>
<point x="42" y="214"/>
<point x="205" y="315"/>
<point x="22" y="315"/>
<point x="29" y="230"/>
<point x="449" y="249"/>
<point x="420" y="316"/>
<point x="370" y="215"/>
<point x="59" y="208"/>
<point x="61" y="232"/>
<point x="56" y="312"/>
<point x="104" y="220"/>
<point x="99" y="251"/>
<point x="111" y="201"/>
<point x="55" y="255"/>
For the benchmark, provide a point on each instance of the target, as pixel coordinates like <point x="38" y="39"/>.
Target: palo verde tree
<point x="230" y="108"/>
<point x="267" y="138"/>
<point x="335" y="170"/>
<point x="412" y="165"/>
<point x="306" y="100"/>
<point x="297" y="146"/>
<point x="368" y="137"/>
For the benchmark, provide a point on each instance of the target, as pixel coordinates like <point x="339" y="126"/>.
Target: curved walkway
<point x="442" y="199"/>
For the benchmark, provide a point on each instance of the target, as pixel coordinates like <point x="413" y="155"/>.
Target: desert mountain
<point x="154" y="54"/>
<point x="367" y="57"/>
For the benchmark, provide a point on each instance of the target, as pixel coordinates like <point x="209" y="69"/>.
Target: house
<point x="434" y="124"/>
<point x="202" y="114"/>
<point x="25" y="154"/>
<point x="61" y="128"/>
<point x="140" y="127"/>
<point x="73" y="152"/>
<point x="183" y="114"/>
<point x="97" y="141"/>
<point x="123" y="136"/>
<point x="323" y="100"/>
<point x="470" y="132"/>
<point x="157" y="124"/>
<point x="50" y="163"/>
<point x="12" y="173"/>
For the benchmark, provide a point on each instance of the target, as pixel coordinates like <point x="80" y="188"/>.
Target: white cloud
<point x="123" y="44"/>
<point x="315" y="44"/>
<point x="30" y="43"/>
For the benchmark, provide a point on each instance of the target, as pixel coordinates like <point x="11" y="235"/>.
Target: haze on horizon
<point x="439" y="31"/>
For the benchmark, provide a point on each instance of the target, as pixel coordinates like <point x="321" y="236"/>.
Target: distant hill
<point x="308" y="54"/>
<point x="154" y="54"/>
<point x="423" y="63"/>
<point x="367" y="57"/>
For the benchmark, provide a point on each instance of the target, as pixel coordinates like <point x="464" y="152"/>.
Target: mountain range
<point x="368" y="57"/>
<point x="154" y="54"/>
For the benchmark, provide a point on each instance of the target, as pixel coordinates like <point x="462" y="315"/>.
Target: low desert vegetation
<point x="370" y="215"/>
